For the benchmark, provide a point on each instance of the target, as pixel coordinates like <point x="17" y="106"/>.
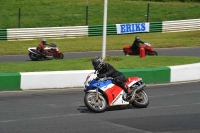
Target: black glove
<point x="97" y="78"/>
<point x="101" y="75"/>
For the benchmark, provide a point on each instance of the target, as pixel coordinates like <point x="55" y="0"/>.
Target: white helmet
<point x="44" y="41"/>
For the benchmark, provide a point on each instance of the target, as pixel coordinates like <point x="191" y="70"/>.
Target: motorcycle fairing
<point x="113" y="92"/>
<point x="32" y="50"/>
<point x="114" y="95"/>
<point x="132" y="80"/>
<point x="97" y="84"/>
<point x="47" y="48"/>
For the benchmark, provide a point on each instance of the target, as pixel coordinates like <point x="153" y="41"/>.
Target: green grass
<point x="51" y="13"/>
<point x="122" y="62"/>
<point x="158" y="40"/>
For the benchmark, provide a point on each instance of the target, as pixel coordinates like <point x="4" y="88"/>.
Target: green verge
<point x="151" y="68"/>
<point x="113" y="42"/>
<point x="10" y="81"/>
<point x="119" y="62"/>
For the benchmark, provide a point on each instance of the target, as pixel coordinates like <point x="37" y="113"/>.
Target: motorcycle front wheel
<point x="125" y="53"/>
<point x="153" y="53"/>
<point x="141" y="99"/>
<point x="96" y="105"/>
<point x="58" y="56"/>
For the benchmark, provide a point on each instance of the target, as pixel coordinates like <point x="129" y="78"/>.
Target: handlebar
<point x="147" y="44"/>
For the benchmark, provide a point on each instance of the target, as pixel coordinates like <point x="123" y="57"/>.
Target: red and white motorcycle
<point x="51" y="52"/>
<point x="102" y="93"/>
<point x="147" y="47"/>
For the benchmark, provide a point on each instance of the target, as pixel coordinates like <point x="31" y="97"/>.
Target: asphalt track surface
<point x="173" y="108"/>
<point x="191" y="51"/>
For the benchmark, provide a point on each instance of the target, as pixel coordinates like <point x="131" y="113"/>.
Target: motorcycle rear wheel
<point x="33" y="56"/>
<point x="96" y="106"/>
<point x="141" y="99"/>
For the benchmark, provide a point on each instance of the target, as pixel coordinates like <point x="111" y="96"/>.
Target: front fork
<point x="97" y="95"/>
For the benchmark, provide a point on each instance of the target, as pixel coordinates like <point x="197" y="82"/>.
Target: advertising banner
<point x="132" y="28"/>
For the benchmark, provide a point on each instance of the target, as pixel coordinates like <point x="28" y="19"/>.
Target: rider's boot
<point x="39" y="54"/>
<point x="128" y="92"/>
<point x="42" y="53"/>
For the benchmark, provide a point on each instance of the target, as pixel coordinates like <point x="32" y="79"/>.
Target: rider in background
<point x="107" y="70"/>
<point x="41" y="45"/>
<point x="136" y="45"/>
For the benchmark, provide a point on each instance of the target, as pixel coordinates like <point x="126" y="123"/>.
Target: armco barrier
<point x="46" y="32"/>
<point x="3" y="34"/>
<point x="64" y="79"/>
<point x="181" y="25"/>
<point x="93" y="30"/>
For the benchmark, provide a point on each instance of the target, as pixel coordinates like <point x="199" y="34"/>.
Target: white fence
<point x="80" y="31"/>
<point x="47" y="32"/>
<point x="181" y="25"/>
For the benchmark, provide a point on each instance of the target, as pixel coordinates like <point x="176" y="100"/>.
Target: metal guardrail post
<point x="147" y="12"/>
<point x="19" y="15"/>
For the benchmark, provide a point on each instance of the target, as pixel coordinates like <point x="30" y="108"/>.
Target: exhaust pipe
<point x="135" y="90"/>
<point x="140" y="87"/>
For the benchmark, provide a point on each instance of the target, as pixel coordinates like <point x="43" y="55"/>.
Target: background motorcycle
<point x="51" y="52"/>
<point x="147" y="47"/>
<point x="102" y="93"/>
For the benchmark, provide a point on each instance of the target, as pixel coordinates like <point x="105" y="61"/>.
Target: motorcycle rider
<point x="40" y="47"/>
<point x="107" y="70"/>
<point x="135" y="46"/>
